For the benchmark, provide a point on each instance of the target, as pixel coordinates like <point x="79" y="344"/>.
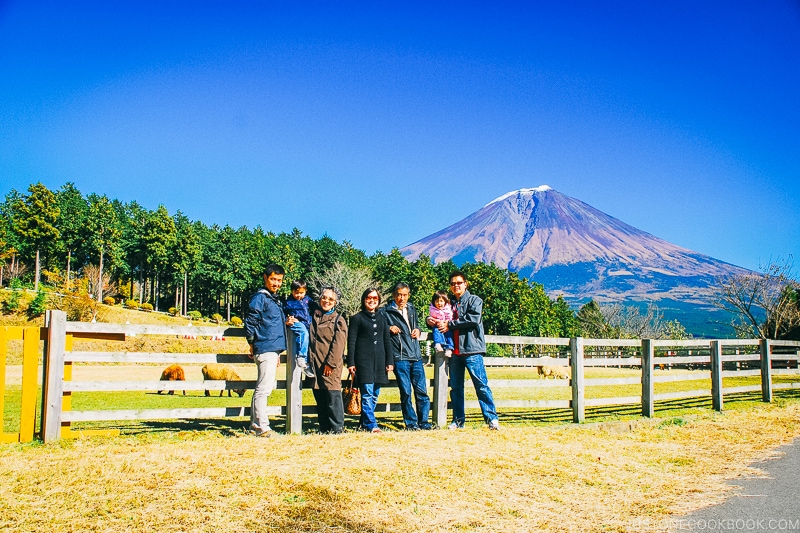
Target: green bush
<point x="108" y="300"/>
<point x="131" y="304"/>
<point x="173" y="311"/>
<point x="38" y="306"/>
<point x="78" y="307"/>
<point x="147" y="306"/>
<point x="196" y="315"/>
<point x="216" y="317"/>
<point x="12" y="305"/>
<point x="236" y="321"/>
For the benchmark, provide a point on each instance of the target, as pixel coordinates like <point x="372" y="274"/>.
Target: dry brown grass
<point x="558" y="478"/>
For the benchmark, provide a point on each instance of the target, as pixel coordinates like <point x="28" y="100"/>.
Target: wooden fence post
<point x="440" y="389"/>
<point x="576" y="361"/>
<point x="54" y="375"/>
<point x="716" y="375"/>
<point x="765" y="347"/>
<point x="294" y="392"/>
<point x="648" y="391"/>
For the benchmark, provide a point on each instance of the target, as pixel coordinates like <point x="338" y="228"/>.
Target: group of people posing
<point x="379" y="339"/>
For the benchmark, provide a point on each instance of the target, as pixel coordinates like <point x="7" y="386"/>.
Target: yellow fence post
<point x="66" y="405"/>
<point x="30" y="337"/>
<point x="3" y="353"/>
<point x="30" y="367"/>
<point x="66" y="402"/>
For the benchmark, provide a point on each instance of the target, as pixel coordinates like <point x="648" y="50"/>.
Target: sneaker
<point x="494" y="424"/>
<point x="308" y="372"/>
<point x="301" y="362"/>
<point x="448" y="353"/>
<point x="376" y="430"/>
<point x="426" y="427"/>
<point x="267" y="434"/>
<point x="455" y="425"/>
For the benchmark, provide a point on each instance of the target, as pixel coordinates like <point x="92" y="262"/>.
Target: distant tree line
<point x="90" y="244"/>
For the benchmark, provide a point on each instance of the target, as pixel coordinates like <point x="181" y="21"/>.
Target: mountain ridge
<point x="575" y="250"/>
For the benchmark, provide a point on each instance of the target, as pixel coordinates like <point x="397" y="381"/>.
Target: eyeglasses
<point x="327" y="299"/>
<point x="371" y="298"/>
<point x="454" y="283"/>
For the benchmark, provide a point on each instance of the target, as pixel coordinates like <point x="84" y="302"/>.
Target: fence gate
<point x="30" y="359"/>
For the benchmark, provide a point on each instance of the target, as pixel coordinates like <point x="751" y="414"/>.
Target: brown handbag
<point x="352" y="398"/>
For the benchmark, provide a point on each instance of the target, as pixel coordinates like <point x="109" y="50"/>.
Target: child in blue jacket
<point x="297" y="306"/>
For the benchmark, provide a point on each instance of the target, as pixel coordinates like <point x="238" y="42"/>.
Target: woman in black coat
<point x="369" y="355"/>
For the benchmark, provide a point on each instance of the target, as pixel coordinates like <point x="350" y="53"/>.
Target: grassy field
<point x="538" y="473"/>
<point x="554" y="477"/>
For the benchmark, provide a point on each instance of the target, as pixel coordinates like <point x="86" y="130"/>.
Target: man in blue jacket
<point x="470" y="347"/>
<point x="266" y="335"/>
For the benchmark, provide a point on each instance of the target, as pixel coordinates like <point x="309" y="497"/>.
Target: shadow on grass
<point x="511" y="417"/>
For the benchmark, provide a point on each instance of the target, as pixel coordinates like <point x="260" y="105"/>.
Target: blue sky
<point x="381" y="123"/>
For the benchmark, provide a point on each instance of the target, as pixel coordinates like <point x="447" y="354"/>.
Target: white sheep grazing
<point x="558" y="372"/>
<point x="221" y="372"/>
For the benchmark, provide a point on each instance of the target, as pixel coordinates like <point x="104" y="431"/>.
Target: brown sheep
<point x="221" y="372"/>
<point x="173" y="373"/>
<point x="558" y="372"/>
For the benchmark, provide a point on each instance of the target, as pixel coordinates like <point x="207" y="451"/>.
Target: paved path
<point x="770" y="503"/>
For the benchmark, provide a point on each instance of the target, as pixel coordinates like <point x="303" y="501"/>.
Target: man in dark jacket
<point x="408" y="367"/>
<point x="470" y="347"/>
<point x="266" y="335"/>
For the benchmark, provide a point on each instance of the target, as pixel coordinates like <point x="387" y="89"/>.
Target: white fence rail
<point x="578" y="354"/>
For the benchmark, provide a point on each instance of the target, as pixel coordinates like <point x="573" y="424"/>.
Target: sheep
<point x="221" y="372"/>
<point x="173" y="373"/>
<point x="558" y="372"/>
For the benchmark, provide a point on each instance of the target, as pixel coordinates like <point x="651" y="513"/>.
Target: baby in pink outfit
<point x="441" y="309"/>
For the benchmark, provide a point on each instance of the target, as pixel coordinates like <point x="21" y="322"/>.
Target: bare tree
<point x="764" y="303"/>
<point x="351" y="282"/>
<point x="92" y="273"/>
<point x="633" y="323"/>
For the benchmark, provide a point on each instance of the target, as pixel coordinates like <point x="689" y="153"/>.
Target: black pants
<point x="330" y="410"/>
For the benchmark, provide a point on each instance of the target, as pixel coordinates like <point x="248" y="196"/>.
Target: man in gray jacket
<point x="408" y="367"/>
<point x="470" y="347"/>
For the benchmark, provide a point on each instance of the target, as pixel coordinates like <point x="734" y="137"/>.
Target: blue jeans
<point x="300" y="340"/>
<point x="445" y="339"/>
<point x="411" y="375"/>
<point x="369" y="399"/>
<point x="474" y="365"/>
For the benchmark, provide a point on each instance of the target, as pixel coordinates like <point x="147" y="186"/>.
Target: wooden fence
<point x="30" y="337"/>
<point x="577" y="354"/>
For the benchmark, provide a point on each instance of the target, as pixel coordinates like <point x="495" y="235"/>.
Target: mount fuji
<point x="575" y="250"/>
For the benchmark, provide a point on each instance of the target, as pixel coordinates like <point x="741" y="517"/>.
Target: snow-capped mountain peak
<point x="574" y="249"/>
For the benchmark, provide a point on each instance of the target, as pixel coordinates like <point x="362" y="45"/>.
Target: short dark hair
<point x="366" y="293"/>
<point x="298" y="284"/>
<point x="401" y="285"/>
<point x="456" y="274"/>
<point x="274" y="268"/>
<point x="439" y="294"/>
